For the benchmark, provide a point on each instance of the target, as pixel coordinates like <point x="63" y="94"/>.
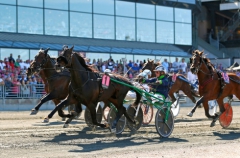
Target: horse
<point x="211" y="85"/>
<point x="181" y="83"/>
<point x="85" y="86"/>
<point x="56" y="84"/>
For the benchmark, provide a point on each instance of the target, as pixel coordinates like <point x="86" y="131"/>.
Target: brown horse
<point x="181" y="83"/>
<point x="211" y="85"/>
<point x="56" y="84"/>
<point x="85" y="86"/>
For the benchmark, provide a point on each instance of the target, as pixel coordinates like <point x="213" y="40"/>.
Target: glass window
<point x="56" y="22"/>
<point x="59" y="4"/>
<point x="7" y="18"/>
<point x="103" y="27"/>
<point x="183" y="15"/>
<point x="24" y="53"/>
<point x="32" y="3"/>
<point x="165" y="32"/>
<point x="80" y="25"/>
<point x="187" y="1"/>
<point x="8" y="2"/>
<point x="30" y="24"/>
<point x="103" y="6"/>
<point x="145" y="30"/>
<point x="183" y="34"/>
<point x="145" y="11"/>
<point x="164" y="13"/>
<point x="125" y="28"/>
<point x="143" y="57"/>
<point x="52" y="53"/>
<point x="125" y="8"/>
<point x="118" y="57"/>
<point x="81" y="5"/>
<point x="96" y="56"/>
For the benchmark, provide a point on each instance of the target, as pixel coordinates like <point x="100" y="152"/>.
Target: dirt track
<point x="23" y="135"/>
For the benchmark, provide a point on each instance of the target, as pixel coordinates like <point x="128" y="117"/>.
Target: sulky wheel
<point x="164" y="126"/>
<point x="131" y="110"/>
<point x="72" y="108"/>
<point x="88" y="118"/>
<point x="147" y="113"/>
<point x="225" y="118"/>
<point x="121" y="122"/>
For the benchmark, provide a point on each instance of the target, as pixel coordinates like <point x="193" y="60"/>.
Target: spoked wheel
<point x="225" y="118"/>
<point x="131" y="110"/>
<point x="121" y="122"/>
<point x="88" y="118"/>
<point x="147" y="113"/>
<point x="164" y="125"/>
<point x="105" y="113"/>
<point x="72" y="108"/>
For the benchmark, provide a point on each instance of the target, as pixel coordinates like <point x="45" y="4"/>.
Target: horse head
<point x="39" y="62"/>
<point x="196" y="61"/>
<point x="150" y="65"/>
<point x="64" y="60"/>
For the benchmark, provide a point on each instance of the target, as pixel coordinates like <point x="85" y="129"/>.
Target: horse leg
<point x="58" y="107"/>
<point x="222" y="109"/>
<point x="190" y="114"/>
<point x="74" y="114"/>
<point x="60" y="111"/>
<point x="92" y="108"/>
<point x="44" y="99"/>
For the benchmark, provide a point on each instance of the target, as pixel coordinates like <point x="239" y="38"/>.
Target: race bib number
<point x="225" y="77"/>
<point x="105" y="81"/>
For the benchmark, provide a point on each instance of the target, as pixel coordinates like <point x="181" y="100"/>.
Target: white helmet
<point x="159" y="68"/>
<point x="145" y="73"/>
<point x="107" y="71"/>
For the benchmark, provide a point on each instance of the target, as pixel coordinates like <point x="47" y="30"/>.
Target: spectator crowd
<point x="15" y="81"/>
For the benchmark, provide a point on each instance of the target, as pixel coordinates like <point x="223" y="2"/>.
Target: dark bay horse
<point x="180" y="83"/>
<point x="85" y="86"/>
<point x="210" y="84"/>
<point x="56" y="83"/>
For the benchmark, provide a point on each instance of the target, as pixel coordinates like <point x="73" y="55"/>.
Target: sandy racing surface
<point x="24" y="135"/>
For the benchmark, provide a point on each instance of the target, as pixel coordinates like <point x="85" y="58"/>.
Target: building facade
<point x="99" y="28"/>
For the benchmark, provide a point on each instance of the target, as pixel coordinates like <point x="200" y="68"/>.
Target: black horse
<point x="56" y="83"/>
<point x="86" y="87"/>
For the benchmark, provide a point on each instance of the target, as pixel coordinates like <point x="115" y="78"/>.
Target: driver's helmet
<point x="107" y="71"/>
<point x="145" y="73"/>
<point x="159" y="68"/>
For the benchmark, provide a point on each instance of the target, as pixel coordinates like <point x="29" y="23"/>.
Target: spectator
<point x="8" y="84"/>
<point x="1" y="86"/>
<point x="10" y="58"/>
<point x="17" y="65"/>
<point x="183" y="65"/>
<point x="25" y="89"/>
<point x="15" y="88"/>
<point x="39" y="87"/>
<point x="33" y="84"/>
<point x="2" y="65"/>
<point x="130" y="64"/>
<point x="19" y="58"/>
<point x="104" y="66"/>
<point x="11" y="64"/>
<point x="176" y="64"/>
<point x="165" y="64"/>
<point x="135" y="69"/>
<point x="238" y="73"/>
<point x="22" y="64"/>
<point x="110" y="64"/>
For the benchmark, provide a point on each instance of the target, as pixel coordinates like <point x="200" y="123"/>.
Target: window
<point x="81" y="5"/>
<point x="183" y="34"/>
<point x="103" y="6"/>
<point x="145" y="30"/>
<point x="103" y="27"/>
<point x="7" y="18"/>
<point x="56" y="22"/>
<point x="125" y="28"/>
<point x="59" y="4"/>
<point x="145" y="11"/>
<point x="30" y="24"/>
<point x="125" y="9"/>
<point x="165" y="33"/>
<point x="80" y="25"/>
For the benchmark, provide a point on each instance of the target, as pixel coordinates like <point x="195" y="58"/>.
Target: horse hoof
<point x="212" y="124"/>
<point x="94" y="128"/>
<point x="190" y="114"/>
<point x="46" y="120"/>
<point x="63" y="118"/>
<point x="34" y="112"/>
<point x="65" y="125"/>
<point x="113" y="130"/>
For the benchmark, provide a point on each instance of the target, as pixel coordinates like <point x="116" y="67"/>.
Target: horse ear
<point x="71" y="49"/>
<point x="201" y="53"/>
<point x="46" y="51"/>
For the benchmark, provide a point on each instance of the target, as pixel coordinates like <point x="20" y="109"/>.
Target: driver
<point x="161" y="83"/>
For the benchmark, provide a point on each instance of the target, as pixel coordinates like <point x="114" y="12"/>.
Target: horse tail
<point x="138" y="96"/>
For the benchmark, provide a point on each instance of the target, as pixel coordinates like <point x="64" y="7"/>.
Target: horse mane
<point x="120" y="78"/>
<point x="83" y="63"/>
<point x="208" y="63"/>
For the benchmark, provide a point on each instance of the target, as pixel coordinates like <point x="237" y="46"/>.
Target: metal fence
<point x="32" y="91"/>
